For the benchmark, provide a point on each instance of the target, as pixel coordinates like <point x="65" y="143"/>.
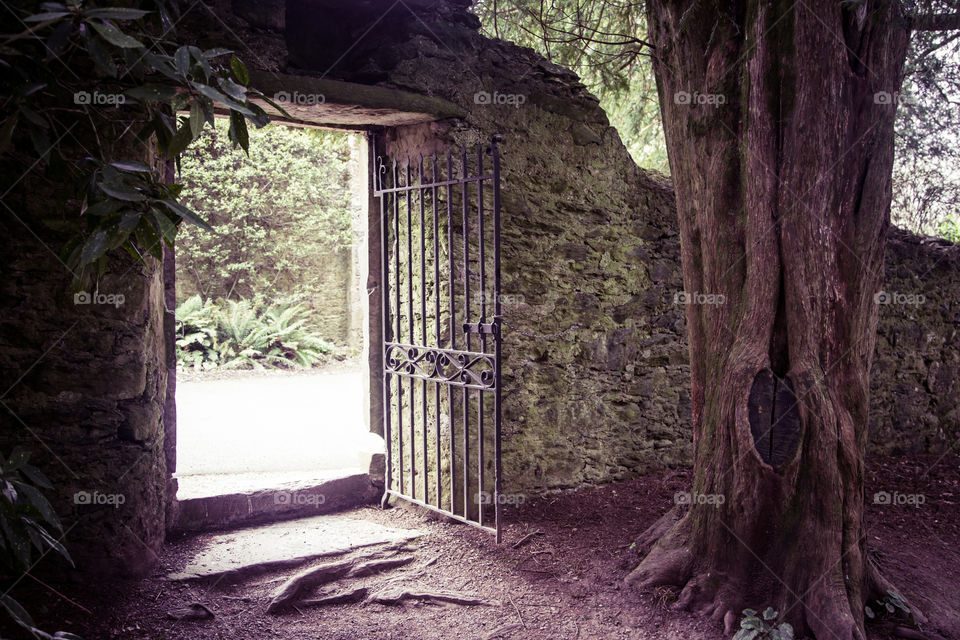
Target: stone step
<point x="283" y="501"/>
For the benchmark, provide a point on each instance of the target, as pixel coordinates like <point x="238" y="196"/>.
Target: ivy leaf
<point x="239" y="71"/>
<point x="158" y="92"/>
<point x="121" y="192"/>
<point x="216" y="96"/>
<point x="117" y="13"/>
<point x="95" y="246"/>
<point x="115" y="37"/>
<point x="769" y="613"/>
<point x="190" y="216"/>
<point x="786" y="631"/>
<point x="869" y="611"/>
<point x="238" y="131"/>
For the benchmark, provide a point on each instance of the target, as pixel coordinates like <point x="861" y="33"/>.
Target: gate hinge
<point x="492" y="328"/>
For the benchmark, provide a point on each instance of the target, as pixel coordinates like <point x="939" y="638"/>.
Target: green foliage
<point x="247" y="334"/>
<point x="92" y="90"/>
<point x="603" y="43"/>
<point x="926" y="183"/>
<point x="26" y="523"/>
<point x="950" y="228"/>
<point x="889" y="605"/>
<point x="278" y="213"/>
<point x="754" y="626"/>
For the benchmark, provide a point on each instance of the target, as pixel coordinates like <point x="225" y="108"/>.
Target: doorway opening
<point x="271" y="308"/>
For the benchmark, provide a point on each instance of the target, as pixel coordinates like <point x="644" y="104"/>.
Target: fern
<point x="246" y="334"/>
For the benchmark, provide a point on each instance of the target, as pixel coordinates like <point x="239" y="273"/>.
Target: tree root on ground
<point x="709" y="593"/>
<point x="291" y="593"/>
<point x="399" y="595"/>
<point x="355" y="567"/>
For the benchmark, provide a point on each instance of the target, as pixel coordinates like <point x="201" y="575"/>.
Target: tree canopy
<point x="604" y="42"/>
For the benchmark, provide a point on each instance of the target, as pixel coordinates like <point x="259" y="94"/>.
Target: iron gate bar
<point x="436" y="320"/>
<point x="466" y="315"/>
<point x="434" y="364"/>
<point x="497" y="346"/>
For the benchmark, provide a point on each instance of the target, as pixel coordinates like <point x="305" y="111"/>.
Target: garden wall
<point x="82" y="386"/>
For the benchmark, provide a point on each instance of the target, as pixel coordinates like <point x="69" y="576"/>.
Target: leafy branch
<point x="94" y="95"/>
<point x="26" y="523"/>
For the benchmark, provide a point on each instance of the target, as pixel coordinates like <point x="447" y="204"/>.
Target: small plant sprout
<point x="887" y="605"/>
<point x="754" y="626"/>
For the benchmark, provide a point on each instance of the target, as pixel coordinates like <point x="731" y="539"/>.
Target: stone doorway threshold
<point x="219" y="501"/>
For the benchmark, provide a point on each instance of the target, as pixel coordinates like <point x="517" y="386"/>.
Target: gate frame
<point x="378" y="329"/>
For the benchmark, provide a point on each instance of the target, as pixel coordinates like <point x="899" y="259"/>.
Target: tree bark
<point x="779" y="122"/>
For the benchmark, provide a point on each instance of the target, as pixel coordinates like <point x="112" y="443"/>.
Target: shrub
<point x="277" y="213"/>
<point x="247" y="334"/>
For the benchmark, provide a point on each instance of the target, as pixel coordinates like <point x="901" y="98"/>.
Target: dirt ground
<point x="566" y="583"/>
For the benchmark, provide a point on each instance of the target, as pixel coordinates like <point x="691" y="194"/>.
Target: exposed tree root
<point x="501" y="632"/>
<point x="355" y="567"/>
<point x="668" y="561"/>
<point x="344" y="597"/>
<point x="399" y="595"/>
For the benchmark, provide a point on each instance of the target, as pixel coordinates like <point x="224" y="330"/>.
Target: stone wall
<point x="915" y="388"/>
<point x="83" y="386"/>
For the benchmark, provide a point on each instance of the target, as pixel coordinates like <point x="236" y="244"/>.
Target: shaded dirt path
<point x="565" y="583"/>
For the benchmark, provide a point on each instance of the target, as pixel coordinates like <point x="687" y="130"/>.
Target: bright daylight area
<point x="270" y="312"/>
<point x="480" y="320"/>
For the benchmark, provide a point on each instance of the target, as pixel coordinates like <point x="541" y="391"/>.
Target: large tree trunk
<point x="780" y="139"/>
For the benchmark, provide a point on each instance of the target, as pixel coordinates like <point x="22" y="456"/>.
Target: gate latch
<point x="492" y="328"/>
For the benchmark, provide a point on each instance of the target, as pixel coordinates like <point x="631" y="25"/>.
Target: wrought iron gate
<point x="439" y="217"/>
